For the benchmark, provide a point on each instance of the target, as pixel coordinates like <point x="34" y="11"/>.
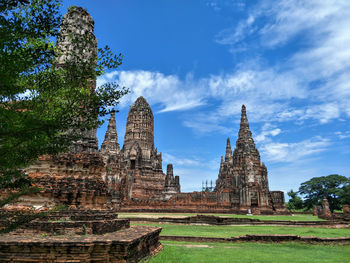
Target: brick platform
<point x="129" y="245"/>
<point x="96" y="227"/>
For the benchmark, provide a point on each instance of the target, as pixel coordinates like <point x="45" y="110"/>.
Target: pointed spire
<point x="110" y="143"/>
<point x="245" y="140"/>
<point x="244" y="120"/>
<point x="244" y="131"/>
<point x="228" y="153"/>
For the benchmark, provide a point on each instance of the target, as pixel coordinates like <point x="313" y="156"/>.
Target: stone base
<point x="129" y="245"/>
<point x="96" y="227"/>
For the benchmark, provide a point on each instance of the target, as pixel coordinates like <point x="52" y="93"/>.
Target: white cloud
<point x="291" y="152"/>
<point x="321" y="66"/>
<point x="256" y="89"/>
<point x="232" y="36"/>
<point x="264" y="92"/>
<point x="314" y="77"/>
<point x="169" y="91"/>
<point x="204" y="123"/>
<point x="266" y="131"/>
<point x="168" y="158"/>
<point x="290" y="18"/>
<point x="343" y="135"/>
<point x="323" y="112"/>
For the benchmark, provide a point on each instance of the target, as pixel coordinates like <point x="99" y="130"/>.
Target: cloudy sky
<point x="197" y="62"/>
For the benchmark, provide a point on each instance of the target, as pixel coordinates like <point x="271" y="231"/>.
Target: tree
<point x="42" y="102"/>
<point x="345" y="195"/>
<point x="333" y="187"/>
<point x="295" y="202"/>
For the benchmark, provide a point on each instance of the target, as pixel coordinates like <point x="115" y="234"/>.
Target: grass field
<point x="183" y="252"/>
<point x="234" y="230"/>
<point x="297" y="217"/>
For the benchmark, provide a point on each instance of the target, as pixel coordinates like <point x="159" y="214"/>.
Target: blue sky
<point x="197" y="62"/>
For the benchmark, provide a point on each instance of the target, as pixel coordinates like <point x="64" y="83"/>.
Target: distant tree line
<point x="334" y="187"/>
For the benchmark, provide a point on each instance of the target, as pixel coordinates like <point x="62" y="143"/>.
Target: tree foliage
<point x="295" y="202"/>
<point x="43" y="105"/>
<point x="334" y="187"/>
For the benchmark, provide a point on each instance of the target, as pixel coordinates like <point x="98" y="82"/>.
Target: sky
<point x="196" y="62"/>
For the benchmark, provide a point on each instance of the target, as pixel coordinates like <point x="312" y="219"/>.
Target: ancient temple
<point x="242" y="173"/>
<point x="135" y="172"/>
<point x="137" y="183"/>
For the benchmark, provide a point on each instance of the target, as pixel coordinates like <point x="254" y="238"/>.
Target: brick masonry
<point x="129" y="245"/>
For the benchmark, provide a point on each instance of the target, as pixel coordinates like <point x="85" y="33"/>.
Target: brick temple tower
<point x="76" y="40"/>
<point x="135" y="172"/>
<point x="77" y="44"/>
<point x="138" y="149"/>
<point x="241" y="172"/>
<point x="74" y="178"/>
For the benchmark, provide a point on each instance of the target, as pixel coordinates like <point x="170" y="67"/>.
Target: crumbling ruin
<point x="136" y="179"/>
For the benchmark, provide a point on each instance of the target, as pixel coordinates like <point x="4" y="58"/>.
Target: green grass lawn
<point x="297" y="217"/>
<point x="234" y="230"/>
<point x="183" y="252"/>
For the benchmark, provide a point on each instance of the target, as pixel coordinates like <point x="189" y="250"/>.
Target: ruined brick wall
<point x="72" y="179"/>
<point x="277" y="200"/>
<point x="195" y="202"/>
